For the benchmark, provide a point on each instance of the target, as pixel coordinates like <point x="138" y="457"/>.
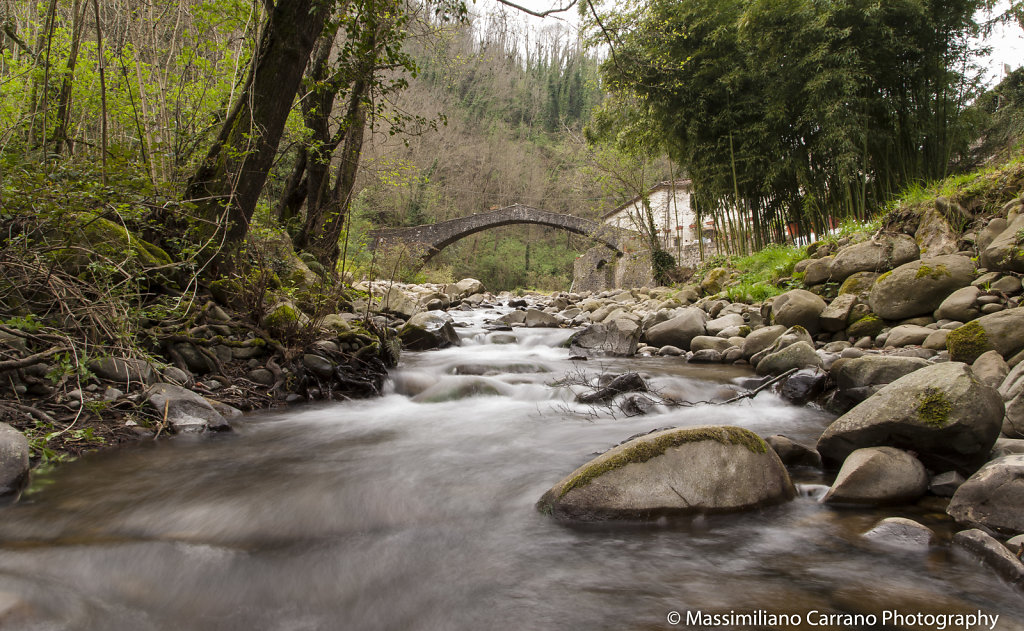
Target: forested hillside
<point x="514" y="103"/>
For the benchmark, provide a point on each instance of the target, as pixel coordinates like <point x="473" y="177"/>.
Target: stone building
<point x="674" y="219"/>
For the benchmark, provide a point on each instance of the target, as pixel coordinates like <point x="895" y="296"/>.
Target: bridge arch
<point x="435" y="237"/>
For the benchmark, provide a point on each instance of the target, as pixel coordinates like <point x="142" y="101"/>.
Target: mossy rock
<point x="968" y="342"/>
<point x="88" y="232"/>
<point x="858" y="284"/>
<point x="228" y="292"/>
<point x="942" y="412"/>
<point x="676" y="471"/>
<point x="284" y="319"/>
<point x="870" y="326"/>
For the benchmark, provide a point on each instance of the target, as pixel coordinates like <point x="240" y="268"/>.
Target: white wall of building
<point x="673" y="212"/>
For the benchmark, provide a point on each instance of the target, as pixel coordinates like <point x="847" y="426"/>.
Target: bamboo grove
<point x="792" y="114"/>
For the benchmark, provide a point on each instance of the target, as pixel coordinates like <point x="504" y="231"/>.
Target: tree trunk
<point x="227" y="185"/>
<point x="310" y="175"/>
<point x="326" y="217"/>
<point x="60" y="133"/>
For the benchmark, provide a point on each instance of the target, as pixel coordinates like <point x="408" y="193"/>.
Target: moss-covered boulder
<point x="92" y="238"/>
<point x="1002" y="332"/>
<point x="707" y="469"/>
<point x="919" y="287"/>
<point x="859" y="284"/>
<point x="869" y="325"/>
<point x="284" y="319"/>
<point x="941" y="412"/>
<point x="798" y="355"/>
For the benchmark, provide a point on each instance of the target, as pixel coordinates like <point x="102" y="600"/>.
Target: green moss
<point x="870" y="325"/>
<point x="227" y="291"/>
<point x="968" y="342"/>
<point x="929" y="272"/>
<point x="283" y="316"/>
<point x="883" y="277"/>
<point x="933" y="408"/>
<point x="645" y="449"/>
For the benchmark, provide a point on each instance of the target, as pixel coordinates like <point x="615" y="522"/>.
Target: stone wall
<point x="600" y="268"/>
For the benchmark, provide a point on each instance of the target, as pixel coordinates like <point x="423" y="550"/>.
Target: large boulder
<point x="817" y="270"/>
<point x="429" y="330"/>
<point x="1002" y="332"/>
<point x="691" y="470"/>
<point x="13" y="463"/>
<point x="617" y="337"/>
<point x="900" y="532"/>
<point x="708" y="342"/>
<point x="992" y="553"/>
<point x="466" y="288"/>
<point x="941" y="412"/>
<point x="1012" y="391"/>
<point x="934" y="235"/>
<point x="961" y="305"/>
<point x="919" y="287"/>
<point x="1006" y="252"/>
<point x="877" y="255"/>
<point x="535" y="318"/>
<point x="716" y="326"/>
<point x="761" y="339"/>
<point x="678" y="331"/>
<point x="186" y="411"/>
<point x="907" y="335"/>
<point x="878" y="476"/>
<point x="400" y="302"/>
<point x="993" y="497"/>
<point x="799" y="355"/>
<point x="798" y="307"/>
<point x="992" y="370"/>
<point x="859" y="378"/>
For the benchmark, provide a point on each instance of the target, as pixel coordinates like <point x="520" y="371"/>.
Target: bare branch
<point x="540" y="14"/>
<point x="31" y="360"/>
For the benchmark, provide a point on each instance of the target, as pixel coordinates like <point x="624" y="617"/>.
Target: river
<point x="416" y="511"/>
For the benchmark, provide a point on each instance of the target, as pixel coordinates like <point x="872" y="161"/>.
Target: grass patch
<point x="760" y="272"/>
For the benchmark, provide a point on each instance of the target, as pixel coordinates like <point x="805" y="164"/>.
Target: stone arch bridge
<point x="435" y="237"/>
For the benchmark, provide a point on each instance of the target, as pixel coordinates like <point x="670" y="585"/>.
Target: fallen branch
<point x="31" y="360"/>
<point x="753" y="393"/>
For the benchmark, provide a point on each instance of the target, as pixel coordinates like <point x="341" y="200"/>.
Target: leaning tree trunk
<point x="228" y="183"/>
<point x="311" y="173"/>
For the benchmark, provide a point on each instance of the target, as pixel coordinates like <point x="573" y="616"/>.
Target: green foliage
<point x="43" y="435"/>
<point x="795" y="110"/>
<point x="759" y="273"/>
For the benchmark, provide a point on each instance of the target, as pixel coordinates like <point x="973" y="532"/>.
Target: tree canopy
<point x="794" y="110"/>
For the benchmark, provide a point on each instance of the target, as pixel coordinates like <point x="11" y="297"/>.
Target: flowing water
<point x="416" y="511"/>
